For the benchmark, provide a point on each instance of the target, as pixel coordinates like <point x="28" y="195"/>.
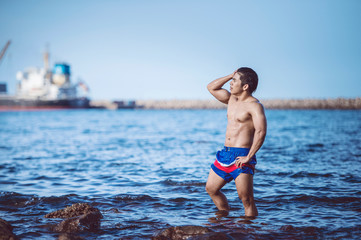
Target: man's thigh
<point x="244" y="185"/>
<point x="214" y="182"/>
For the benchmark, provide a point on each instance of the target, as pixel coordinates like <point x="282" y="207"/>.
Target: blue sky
<point x="173" y="49"/>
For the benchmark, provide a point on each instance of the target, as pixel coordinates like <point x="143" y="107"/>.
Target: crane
<point x="3" y="51"/>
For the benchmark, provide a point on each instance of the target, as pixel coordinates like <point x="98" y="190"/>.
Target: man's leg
<point x="213" y="188"/>
<point x="244" y="185"/>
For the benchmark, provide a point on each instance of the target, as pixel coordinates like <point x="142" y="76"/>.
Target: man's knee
<point x="211" y="190"/>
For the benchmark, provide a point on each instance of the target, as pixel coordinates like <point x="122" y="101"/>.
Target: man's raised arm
<point x="215" y="88"/>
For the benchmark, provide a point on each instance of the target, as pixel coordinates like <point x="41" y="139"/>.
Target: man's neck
<point x="243" y="96"/>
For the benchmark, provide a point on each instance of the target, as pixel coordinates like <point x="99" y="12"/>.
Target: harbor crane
<point x="3" y="51"/>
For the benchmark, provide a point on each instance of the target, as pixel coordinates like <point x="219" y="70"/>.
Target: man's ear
<point x="245" y="87"/>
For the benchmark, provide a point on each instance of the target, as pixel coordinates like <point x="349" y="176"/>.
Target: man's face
<point x="236" y="84"/>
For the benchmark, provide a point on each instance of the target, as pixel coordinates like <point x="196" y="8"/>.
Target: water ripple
<point x="146" y="171"/>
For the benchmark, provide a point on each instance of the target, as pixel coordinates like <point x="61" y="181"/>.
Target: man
<point x="246" y="131"/>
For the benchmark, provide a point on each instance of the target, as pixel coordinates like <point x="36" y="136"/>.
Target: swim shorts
<point x="225" y="167"/>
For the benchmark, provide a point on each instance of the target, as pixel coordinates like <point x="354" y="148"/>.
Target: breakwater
<point x="336" y="103"/>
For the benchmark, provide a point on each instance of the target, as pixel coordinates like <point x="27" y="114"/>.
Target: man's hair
<point x="249" y="76"/>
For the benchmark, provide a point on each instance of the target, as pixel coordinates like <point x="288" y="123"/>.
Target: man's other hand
<point x="241" y="160"/>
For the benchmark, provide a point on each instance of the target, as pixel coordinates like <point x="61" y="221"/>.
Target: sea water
<point x="146" y="170"/>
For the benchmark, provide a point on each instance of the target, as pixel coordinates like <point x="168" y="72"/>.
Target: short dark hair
<point x="250" y="77"/>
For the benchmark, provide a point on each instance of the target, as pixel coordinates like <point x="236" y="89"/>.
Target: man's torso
<point x="240" y="129"/>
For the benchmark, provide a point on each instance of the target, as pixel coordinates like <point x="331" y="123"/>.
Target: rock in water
<point x="190" y="232"/>
<point x="287" y="228"/>
<point x="74" y="210"/>
<point x="6" y="231"/>
<point x="212" y="236"/>
<point x="79" y="217"/>
<point x="67" y="236"/>
<point x="89" y="221"/>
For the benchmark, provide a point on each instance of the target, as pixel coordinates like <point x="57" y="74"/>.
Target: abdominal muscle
<point x="239" y="135"/>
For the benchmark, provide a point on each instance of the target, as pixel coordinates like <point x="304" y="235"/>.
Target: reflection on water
<point x="146" y="170"/>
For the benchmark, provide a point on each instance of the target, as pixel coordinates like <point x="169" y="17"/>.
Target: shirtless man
<point x="246" y="131"/>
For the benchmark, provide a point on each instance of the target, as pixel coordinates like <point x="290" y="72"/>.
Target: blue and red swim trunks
<point x="224" y="165"/>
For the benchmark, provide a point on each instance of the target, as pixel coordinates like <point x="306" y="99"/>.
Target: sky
<point x="144" y="49"/>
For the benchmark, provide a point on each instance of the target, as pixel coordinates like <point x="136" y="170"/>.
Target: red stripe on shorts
<point x="232" y="167"/>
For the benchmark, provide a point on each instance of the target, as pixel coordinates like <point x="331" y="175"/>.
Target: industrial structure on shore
<point x="44" y="88"/>
<point x="49" y="88"/>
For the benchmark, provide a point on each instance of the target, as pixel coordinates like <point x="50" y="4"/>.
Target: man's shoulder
<point x="257" y="107"/>
<point x="254" y="102"/>
<point x="254" y="105"/>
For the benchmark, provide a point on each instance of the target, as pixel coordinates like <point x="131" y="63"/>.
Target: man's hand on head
<point x="233" y="74"/>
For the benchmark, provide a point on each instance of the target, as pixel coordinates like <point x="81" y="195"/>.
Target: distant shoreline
<point x="334" y="103"/>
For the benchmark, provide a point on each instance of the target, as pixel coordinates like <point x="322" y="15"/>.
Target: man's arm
<point x="215" y="88"/>
<point x="260" y="130"/>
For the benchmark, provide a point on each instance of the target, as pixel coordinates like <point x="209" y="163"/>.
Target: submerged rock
<point x="79" y="217"/>
<point x="287" y="228"/>
<point x="67" y="236"/>
<point x="212" y="236"/>
<point x="89" y="221"/>
<point x="6" y="231"/>
<point x="190" y="232"/>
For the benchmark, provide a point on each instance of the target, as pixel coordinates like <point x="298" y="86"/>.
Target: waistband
<point x="235" y="149"/>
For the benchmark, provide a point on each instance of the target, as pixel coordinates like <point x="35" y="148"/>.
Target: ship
<point x="44" y="88"/>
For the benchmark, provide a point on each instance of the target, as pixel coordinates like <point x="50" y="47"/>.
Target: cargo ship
<point x="44" y="88"/>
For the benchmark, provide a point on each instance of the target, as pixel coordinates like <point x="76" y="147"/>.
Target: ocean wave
<point x="305" y="174"/>
<point x="170" y="182"/>
<point x="134" y="198"/>
<point x="13" y="199"/>
<point x="179" y="200"/>
<point x="309" y="199"/>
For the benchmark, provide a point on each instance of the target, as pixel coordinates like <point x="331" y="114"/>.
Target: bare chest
<point x="238" y="114"/>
